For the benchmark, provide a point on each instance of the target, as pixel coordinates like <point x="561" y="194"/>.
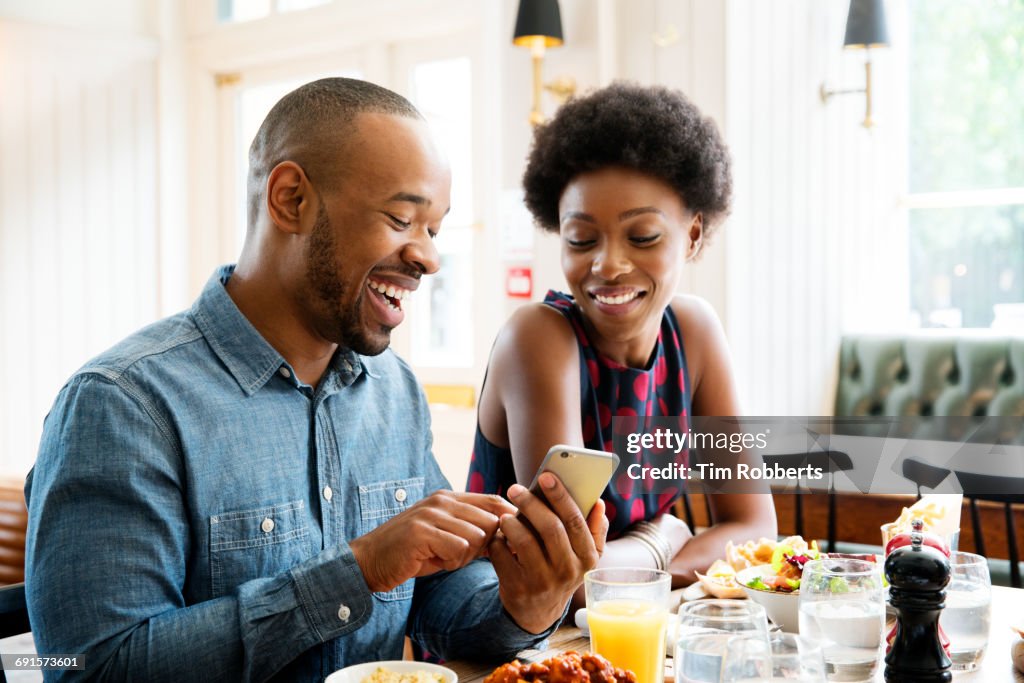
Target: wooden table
<point x="997" y="667"/>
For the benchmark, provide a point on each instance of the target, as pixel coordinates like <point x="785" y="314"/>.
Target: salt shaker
<point x="917" y="575"/>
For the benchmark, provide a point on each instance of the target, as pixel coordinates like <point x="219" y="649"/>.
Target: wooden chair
<point x="923" y="474"/>
<point x="997" y="489"/>
<point x="13" y="521"/>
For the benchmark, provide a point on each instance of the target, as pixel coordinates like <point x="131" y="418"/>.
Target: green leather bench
<point x="965" y="373"/>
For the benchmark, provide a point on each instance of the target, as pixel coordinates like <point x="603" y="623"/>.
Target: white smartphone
<point x="584" y="472"/>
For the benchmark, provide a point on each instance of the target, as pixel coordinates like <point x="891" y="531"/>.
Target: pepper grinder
<point x="917" y="575"/>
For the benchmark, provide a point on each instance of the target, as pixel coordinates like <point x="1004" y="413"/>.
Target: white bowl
<point x="782" y="608"/>
<point x="357" y="672"/>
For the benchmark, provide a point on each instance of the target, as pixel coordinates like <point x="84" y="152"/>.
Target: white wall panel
<point x="813" y="245"/>
<point x="79" y="265"/>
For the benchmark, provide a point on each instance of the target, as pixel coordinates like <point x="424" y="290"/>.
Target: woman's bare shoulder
<point x="694" y="313"/>
<point x="535" y="332"/>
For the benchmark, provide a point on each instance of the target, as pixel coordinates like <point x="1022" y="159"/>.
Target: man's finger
<point x="445" y="550"/>
<point x="568" y="512"/>
<point x="505" y="563"/>
<point x="523" y="543"/>
<point x="547" y="528"/>
<point x="495" y="505"/>
<point x="474" y="535"/>
<point x="597" y="522"/>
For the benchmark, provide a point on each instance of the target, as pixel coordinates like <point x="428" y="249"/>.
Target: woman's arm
<point x="737" y="517"/>
<point x="531" y="401"/>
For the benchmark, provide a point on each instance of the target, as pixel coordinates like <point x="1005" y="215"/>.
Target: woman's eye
<point x="644" y="239"/>
<point x="580" y="244"/>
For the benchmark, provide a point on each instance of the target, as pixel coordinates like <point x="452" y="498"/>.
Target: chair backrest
<point x="13" y="520"/>
<point x="13" y="615"/>
<point x="13" y="611"/>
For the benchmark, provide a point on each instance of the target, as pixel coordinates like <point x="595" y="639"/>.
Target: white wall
<point x="816" y="245"/>
<point x="111" y="17"/>
<point x="79" y="263"/>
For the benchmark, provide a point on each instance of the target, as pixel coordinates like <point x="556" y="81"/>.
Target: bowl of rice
<point x="393" y="672"/>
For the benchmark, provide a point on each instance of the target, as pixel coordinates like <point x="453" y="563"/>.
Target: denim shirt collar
<point x="250" y="359"/>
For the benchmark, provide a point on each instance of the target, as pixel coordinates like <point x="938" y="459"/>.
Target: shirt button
<point x="328" y="493"/>
<point x="268" y="525"/>
<point x="344" y="612"/>
<point x="285" y="372"/>
<point x="401" y="495"/>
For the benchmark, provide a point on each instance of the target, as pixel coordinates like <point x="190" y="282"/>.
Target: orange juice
<point x="631" y="635"/>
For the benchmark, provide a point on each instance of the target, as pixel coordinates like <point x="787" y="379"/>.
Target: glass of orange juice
<point x="627" y="612"/>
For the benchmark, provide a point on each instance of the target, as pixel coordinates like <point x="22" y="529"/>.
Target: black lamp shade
<point x="865" y="24"/>
<point x="538" y="18"/>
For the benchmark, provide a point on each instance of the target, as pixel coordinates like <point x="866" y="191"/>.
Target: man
<point x="243" y="491"/>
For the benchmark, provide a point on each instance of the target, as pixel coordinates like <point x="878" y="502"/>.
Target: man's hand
<point x="538" y="568"/>
<point x="446" y="530"/>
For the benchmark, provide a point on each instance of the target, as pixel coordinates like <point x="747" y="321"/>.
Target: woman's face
<point x="625" y="239"/>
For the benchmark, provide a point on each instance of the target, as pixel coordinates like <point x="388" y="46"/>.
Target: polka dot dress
<point x="608" y="390"/>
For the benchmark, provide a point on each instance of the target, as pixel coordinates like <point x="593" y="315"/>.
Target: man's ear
<point x="289" y="196"/>
<point x="696" y="235"/>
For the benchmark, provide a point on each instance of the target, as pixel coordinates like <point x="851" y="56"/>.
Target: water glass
<point x="842" y="609"/>
<point x="784" y="657"/>
<point x="703" y="633"/>
<point x="627" y="612"/>
<point x="968" y="611"/>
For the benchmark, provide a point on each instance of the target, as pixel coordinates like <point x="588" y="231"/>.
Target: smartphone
<point x="583" y="471"/>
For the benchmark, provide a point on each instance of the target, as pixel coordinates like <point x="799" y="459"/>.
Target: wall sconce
<point x="865" y="28"/>
<point x="539" y="26"/>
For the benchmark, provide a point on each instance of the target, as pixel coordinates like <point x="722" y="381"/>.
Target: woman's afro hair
<point x="651" y="129"/>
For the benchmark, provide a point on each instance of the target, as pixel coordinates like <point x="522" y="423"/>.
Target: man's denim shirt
<point x="192" y="502"/>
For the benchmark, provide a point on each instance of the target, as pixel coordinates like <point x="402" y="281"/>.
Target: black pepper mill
<point x="917" y="576"/>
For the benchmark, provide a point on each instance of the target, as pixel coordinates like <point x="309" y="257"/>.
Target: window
<point x="231" y="11"/>
<point x="966" y="160"/>
<point x="442" y="325"/>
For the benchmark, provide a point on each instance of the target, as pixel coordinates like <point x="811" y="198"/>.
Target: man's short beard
<point x="324" y="274"/>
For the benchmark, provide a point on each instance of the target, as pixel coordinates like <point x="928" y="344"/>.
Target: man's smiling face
<point x="373" y="235"/>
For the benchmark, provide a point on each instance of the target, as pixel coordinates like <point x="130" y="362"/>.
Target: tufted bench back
<point x="950" y="374"/>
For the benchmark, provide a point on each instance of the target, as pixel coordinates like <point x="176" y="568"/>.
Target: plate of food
<point x="395" y="671"/>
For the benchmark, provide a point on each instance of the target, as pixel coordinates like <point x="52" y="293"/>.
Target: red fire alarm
<point x="519" y="282"/>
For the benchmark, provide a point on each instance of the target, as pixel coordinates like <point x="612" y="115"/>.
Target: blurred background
<point x="124" y="128"/>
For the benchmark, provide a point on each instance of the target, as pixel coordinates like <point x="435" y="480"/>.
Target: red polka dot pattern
<point x="613" y="396"/>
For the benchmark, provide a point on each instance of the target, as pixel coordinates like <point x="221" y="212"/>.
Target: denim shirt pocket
<point x="261" y="542"/>
<point x="378" y="503"/>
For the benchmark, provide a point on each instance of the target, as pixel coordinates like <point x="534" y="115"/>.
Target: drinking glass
<point x="783" y="657"/>
<point x="627" y="611"/>
<point x="704" y="630"/>
<point x="842" y="609"/>
<point x="968" y="611"/>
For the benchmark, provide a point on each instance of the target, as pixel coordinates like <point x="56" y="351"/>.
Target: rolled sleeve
<point x="333" y="593"/>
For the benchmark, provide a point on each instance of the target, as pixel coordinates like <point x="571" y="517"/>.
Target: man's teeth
<point x="621" y="299"/>
<point x="390" y="290"/>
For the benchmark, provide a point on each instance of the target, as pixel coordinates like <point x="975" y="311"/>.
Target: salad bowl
<point x="783" y="608"/>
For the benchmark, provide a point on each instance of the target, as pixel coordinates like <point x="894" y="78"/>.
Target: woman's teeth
<point x="393" y="296"/>
<point x="616" y="300"/>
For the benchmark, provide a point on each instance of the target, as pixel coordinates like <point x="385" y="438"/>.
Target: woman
<point x="634" y="180"/>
